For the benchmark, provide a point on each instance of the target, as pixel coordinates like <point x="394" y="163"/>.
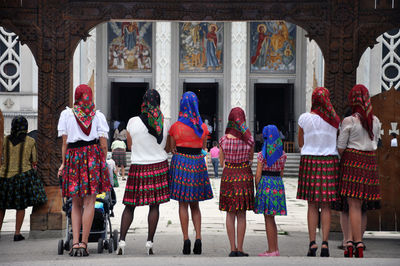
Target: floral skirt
<point x="188" y="178"/>
<point x="237" y="188"/>
<point x="85" y="172"/>
<point x="119" y="156"/>
<point x="147" y="184"/>
<point x="359" y="177"/>
<point x="318" y="178"/>
<point x="270" y="197"/>
<point x="21" y="191"/>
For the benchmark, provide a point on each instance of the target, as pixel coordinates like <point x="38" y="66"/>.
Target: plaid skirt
<point x="85" y="172"/>
<point x="318" y="178"/>
<point x="359" y="177"/>
<point x="188" y="178"/>
<point x="119" y="156"/>
<point x="237" y="188"/>
<point x="21" y="191"/>
<point x="147" y="184"/>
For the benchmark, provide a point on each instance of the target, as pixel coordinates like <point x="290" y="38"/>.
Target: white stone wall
<point x="314" y="70"/>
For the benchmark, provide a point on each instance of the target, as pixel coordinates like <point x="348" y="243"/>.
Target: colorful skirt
<point x="359" y="177"/>
<point x="85" y="172"/>
<point x="119" y="156"/>
<point x="21" y="191"/>
<point x="147" y="184"/>
<point x="318" y="178"/>
<point x="237" y="188"/>
<point x="188" y="178"/>
<point x="270" y="197"/>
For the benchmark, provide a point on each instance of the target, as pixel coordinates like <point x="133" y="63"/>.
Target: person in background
<point x="319" y="166"/>
<point x="120" y="132"/>
<point x="188" y="176"/>
<point x="84" y="132"/>
<point x="237" y="185"/>
<point x="118" y="149"/>
<point x="112" y="168"/>
<point x="270" y="198"/>
<point x="20" y="187"/>
<point x="214" y="154"/>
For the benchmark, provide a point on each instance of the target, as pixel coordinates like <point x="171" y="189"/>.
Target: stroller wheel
<point x="111" y="246"/>
<point x="105" y="245"/>
<point x="60" y="247"/>
<point x="67" y="245"/>
<point x="115" y="238"/>
<point x="100" y="245"/>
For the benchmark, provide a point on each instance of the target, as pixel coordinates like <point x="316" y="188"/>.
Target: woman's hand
<point x="61" y="170"/>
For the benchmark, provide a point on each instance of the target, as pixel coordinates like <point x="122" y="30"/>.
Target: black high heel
<point x="19" y="237"/>
<point x="312" y="252"/>
<point x="325" y="251"/>
<point x="186" y="247"/>
<point x="349" y="248"/>
<point x="197" y="247"/>
<point x="359" y="250"/>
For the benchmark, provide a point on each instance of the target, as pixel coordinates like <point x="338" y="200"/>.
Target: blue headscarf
<point x="189" y="112"/>
<point x="272" y="148"/>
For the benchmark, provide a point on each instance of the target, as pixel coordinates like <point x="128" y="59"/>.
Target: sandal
<point x="84" y="251"/>
<point x="75" y="251"/>
<point x="312" y="252"/>
<point x="349" y="249"/>
<point x="359" y="249"/>
<point x="324" y="251"/>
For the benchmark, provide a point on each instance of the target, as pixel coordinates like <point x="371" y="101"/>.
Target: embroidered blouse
<point x="278" y="166"/>
<point x="236" y="150"/>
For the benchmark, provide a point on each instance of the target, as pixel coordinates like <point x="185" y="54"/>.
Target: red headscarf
<point x="237" y="125"/>
<point x="361" y="106"/>
<point x="84" y="109"/>
<point x="322" y="106"/>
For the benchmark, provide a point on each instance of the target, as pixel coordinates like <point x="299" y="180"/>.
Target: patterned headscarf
<point x="322" y="106"/>
<point x="189" y="112"/>
<point x="151" y="114"/>
<point x="272" y="148"/>
<point x="360" y="104"/>
<point x="19" y="129"/>
<point x="237" y="125"/>
<point x="84" y="109"/>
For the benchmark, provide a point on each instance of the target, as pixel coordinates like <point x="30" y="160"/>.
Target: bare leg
<point x="325" y="221"/>
<point x="76" y="218"/>
<point x="196" y="217"/>
<point x="126" y="221"/>
<point x="2" y="214"/>
<point x="152" y="220"/>
<point x="87" y="216"/>
<point x="123" y="171"/>
<point x="272" y="233"/>
<point x="346" y="229"/>
<point x="19" y="220"/>
<point x="241" y="229"/>
<point x="184" y="218"/>
<point x="312" y="221"/>
<point x="355" y="218"/>
<point x="230" y="229"/>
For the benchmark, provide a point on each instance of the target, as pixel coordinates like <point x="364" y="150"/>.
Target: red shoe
<point x="349" y="248"/>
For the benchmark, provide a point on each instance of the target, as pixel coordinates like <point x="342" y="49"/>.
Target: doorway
<point x="207" y="93"/>
<point x="273" y="104"/>
<point x="126" y="99"/>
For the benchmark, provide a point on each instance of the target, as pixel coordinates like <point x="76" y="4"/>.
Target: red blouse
<point x="184" y="135"/>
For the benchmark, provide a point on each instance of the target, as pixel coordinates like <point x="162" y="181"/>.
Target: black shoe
<point x="233" y="254"/>
<point x="241" y="254"/>
<point x="325" y="251"/>
<point x="186" y="247"/>
<point x="18" y="237"/>
<point x="197" y="247"/>
<point x="312" y="252"/>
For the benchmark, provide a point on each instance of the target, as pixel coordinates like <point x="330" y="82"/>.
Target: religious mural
<point x="272" y="47"/>
<point x="201" y="46"/>
<point x="129" y="46"/>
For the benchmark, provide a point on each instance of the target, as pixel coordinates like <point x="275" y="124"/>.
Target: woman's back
<point x="185" y="136"/>
<point x="236" y="150"/>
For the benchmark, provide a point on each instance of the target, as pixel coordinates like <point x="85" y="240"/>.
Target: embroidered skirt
<point x="147" y="184"/>
<point x="188" y="178"/>
<point x="270" y="197"/>
<point x="119" y="156"/>
<point x="21" y="191"/>
<point x="318" y="178"/>
<point x="237" y="187"/>
<point x="359" y="177"/>
<point x="85" y="172"/>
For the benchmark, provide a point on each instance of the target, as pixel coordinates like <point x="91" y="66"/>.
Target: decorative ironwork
<point x="9" y="61"/>
<point x="391" y="60"/>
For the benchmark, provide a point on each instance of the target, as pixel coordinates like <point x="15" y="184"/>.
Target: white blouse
<point x="67" y="125"/>
<point x="145" y="149"/>
<point x="319" y="136"/>
<point x="354" y="136"/>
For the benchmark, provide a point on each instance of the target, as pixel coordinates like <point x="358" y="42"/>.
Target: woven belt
<point x="271" y="173"/>
<point x="81" y="143"/>
<point x="191" y="151"/>
<point x="237" y="165"/>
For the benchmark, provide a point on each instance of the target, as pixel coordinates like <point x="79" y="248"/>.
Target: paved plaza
<point x="383" y="248"/>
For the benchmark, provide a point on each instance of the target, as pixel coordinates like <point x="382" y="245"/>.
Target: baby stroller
<point x="101" y="231"/>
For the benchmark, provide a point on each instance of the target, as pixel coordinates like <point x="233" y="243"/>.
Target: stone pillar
<point x="239" y="66"/>
<point x="163" y="66"/>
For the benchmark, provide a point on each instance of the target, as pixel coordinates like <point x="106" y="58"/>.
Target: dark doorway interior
<point x="207" y="93"/>
<point x="126" y="99"/>
<point x="274" y="104"/>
